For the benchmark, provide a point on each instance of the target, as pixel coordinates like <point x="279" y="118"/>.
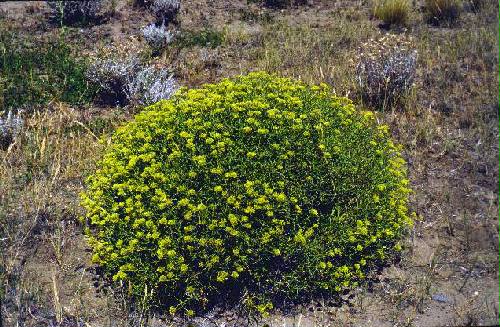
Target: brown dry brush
<point x="40" y="177"/>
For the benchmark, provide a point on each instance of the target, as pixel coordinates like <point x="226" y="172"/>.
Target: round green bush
<point x="257" y="188"/>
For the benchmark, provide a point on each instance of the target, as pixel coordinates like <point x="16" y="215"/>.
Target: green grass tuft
<point x="392" y="12"/>
<point x="202" y="38"/>
<point x="32" y="74"/>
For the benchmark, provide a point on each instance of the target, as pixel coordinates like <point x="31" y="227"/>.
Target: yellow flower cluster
<point x="257" y="184"/>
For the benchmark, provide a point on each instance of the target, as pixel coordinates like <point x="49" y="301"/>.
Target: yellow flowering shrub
<point x="258" y="188"/>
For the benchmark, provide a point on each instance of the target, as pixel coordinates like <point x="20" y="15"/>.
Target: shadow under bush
<point x="443" y="12"/>
<point x="258" y="188"/>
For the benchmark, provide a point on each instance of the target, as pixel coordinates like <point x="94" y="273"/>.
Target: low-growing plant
<point x="157" y="37"/>
<point x="165" y="10"/>
<point x="150" y="85"/>
<point x="10" y="127"/>
<point x="283" y="3"/>
<point x="443" y="11"/>
<point x="386" y="70"/>
<point x="257" y="188"/>
<point x="111" y="77"/>
<point x="392" y="12"/>
<point x="124" y="80"/>
<point x="34" y="73"/>
<point x="202" y="38"/>
<point x="73" y="12"/>
<point x="247" y="14"/>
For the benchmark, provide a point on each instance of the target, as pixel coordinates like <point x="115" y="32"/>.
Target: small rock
<point x="440" y="298"/>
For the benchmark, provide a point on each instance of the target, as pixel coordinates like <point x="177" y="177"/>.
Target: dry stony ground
<point x="448" y="276"/>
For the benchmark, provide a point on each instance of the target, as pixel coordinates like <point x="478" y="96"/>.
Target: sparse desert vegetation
<point x="75" y="81"/>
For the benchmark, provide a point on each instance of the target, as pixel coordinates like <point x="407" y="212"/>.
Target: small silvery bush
<point x="386" y="70"/>
<point x="112" y="76"/>
<point x="121" y="81"/>
<point x="157" y="37"/>
<point x="150" y="85"/>
<point x="71" y="12"/>
<point x="165" y="10"/>
<point x="10" y="127"/>
<point x="259" y="190"/>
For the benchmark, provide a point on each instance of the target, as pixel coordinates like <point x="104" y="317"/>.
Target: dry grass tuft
<point x="392" y="12"/>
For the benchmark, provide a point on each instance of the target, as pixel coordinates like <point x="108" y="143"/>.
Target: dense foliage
<point x="258" y="188"/>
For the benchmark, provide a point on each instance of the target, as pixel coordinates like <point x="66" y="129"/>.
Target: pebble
<point x="440" y="298"/>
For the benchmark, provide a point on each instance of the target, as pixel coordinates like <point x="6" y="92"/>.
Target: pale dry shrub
<point x="386" y="70"/>
<point x="10" y="127"/>
<point x="157" y="37"/>
<point x="150" y="85"/>
<point x="112" y="76"/>
<point x="165" y="10"/>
